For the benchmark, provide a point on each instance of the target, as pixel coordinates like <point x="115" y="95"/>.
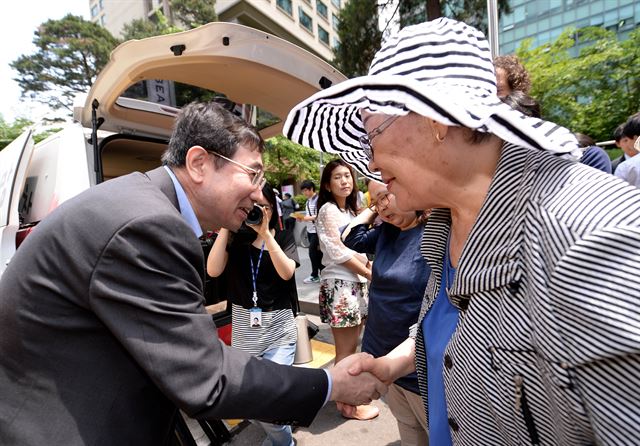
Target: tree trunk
<point x="433" y="9"/>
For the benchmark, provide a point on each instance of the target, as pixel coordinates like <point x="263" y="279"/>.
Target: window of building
<point x="94" y="10"/>
<point x="101" y="4"/>
<point x="286" y="6"/>
<point x="335" y="21"/>
<point x="322" y="9"/>
<point x="335" y="43"/>
<point x="336" y="3"/>
<point x="323" y="35"/>
<point x="519" y="14"/>
<point x="103" y="19"/>
<point x="305" y="19"/>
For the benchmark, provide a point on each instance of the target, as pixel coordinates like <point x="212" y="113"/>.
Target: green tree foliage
<point x="10" y="131"/>
<point x="472" y="12"/>
<point x="587" y="80"/>
<point x="70" y="54"/>
<point x="359" y="33"/>
<point x="287" y="161"/>
<point x="194" y="13"/>
<point x="359" y="37"/>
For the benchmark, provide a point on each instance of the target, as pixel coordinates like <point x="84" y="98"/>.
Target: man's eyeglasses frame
<point x="257" y="180"/>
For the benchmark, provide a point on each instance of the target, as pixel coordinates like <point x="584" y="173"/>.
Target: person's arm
<point x="285" y="267"/>
<point x="147" y="289"/>
<point x="397" y="363"/>
<point x="307" y="217"/>
<point x="597" y="314"/>
<point x="218" y="256"/>
<point x="329" y="234"/>
<point x="363" y="239"/>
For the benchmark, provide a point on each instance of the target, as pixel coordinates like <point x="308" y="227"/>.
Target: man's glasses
<point x="381" y="203"/>
<point x="257" y="176"/>
<point x="365" y="140"/>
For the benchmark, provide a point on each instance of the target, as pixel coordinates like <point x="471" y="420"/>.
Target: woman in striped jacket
<point x="529" y="332"/>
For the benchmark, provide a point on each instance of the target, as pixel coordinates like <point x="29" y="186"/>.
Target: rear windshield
<point x="168" y="97"/>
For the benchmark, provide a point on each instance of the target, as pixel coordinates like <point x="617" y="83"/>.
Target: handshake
<point x="359" y="379"/>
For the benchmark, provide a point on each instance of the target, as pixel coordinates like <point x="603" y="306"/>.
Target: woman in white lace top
<point x="343" y="285"/>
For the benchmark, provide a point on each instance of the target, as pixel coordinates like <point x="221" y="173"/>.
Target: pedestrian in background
<point x="343" y="285"/>
<point x="311" y="212"/>
<point x="398" y="279"/>
<point x="288" y="206"/>
<point x="260" y="267"/>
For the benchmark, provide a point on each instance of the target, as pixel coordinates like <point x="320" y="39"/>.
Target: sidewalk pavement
<point x="329" y="427"/>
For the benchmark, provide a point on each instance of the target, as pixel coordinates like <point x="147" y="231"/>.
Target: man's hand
<point x="355" y="388"/>
<point x="379" y="367"/>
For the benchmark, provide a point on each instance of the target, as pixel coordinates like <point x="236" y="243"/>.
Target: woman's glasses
<point x="365" y="140"/>
<point x="381" y="203"/>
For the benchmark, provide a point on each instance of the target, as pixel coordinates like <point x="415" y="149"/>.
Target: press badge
<point x="255" y="317"/>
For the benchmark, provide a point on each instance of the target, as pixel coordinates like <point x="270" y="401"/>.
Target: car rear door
<point x="14" y="161"/>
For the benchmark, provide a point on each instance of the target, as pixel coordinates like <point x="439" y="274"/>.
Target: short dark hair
<point x="308" y="184"/>
<point x="617" y="133"/>
<point x="584" y="140"/>
<point x="517" y="75"/>
<point x="632" y="126"/>
<point x="212" y="127"/>
<point x="522" y="102"/>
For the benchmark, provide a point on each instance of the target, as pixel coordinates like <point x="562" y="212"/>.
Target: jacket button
<point x="453" y="425"/>
<point x="464" y="304"/>
<point x="514" y="286"/>
<point x="448" y="362"/>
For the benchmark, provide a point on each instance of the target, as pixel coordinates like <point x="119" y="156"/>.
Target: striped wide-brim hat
<point x="440" y="69"/>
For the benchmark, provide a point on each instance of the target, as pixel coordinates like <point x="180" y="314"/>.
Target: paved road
<point x="329" y="427"/>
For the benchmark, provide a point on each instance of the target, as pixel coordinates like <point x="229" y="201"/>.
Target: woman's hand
<point x="263" y="228"/>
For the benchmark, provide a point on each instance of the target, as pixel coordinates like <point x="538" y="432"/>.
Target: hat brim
<point x="330" y="120"/>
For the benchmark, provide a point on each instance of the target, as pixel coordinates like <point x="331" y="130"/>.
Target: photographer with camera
<point x="260" y="262"/>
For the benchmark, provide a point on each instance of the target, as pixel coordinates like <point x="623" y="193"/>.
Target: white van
<point x="125" y="121"/>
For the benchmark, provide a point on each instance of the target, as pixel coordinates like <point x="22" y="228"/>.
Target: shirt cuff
<point x="329" y="386"/>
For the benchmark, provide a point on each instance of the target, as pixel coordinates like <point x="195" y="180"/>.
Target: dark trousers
<point x="315" y="255"/>
<point x="289" y="223"/>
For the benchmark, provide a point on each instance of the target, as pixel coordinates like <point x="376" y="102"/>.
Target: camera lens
<point x="255" y="215"/>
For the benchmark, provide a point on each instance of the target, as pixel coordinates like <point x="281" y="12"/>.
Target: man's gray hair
<point x="212" y="127"/>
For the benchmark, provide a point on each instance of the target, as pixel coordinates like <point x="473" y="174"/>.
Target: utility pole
<point x="492" y="14"/>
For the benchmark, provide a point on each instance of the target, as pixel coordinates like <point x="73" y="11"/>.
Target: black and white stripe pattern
<point x="549" y="292"/>
<point x="278" y="329"/>
<point x="440" y="69"/>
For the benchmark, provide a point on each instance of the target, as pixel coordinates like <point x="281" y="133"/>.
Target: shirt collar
<point x="185" y="207"/>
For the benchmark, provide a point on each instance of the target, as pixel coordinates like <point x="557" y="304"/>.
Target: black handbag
<point x="312" y="329"/>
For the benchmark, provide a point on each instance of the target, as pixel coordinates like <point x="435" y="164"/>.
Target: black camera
<point x="255" y="216"/>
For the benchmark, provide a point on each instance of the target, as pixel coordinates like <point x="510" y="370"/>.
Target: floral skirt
<point x="343" y="303"/>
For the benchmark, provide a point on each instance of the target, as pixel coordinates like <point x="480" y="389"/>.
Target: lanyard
<point x="254" y="275"/>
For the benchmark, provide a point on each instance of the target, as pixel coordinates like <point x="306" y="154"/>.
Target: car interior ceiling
<point x="125" y="154"/>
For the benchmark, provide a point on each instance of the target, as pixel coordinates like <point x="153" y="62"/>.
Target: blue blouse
<point x="400" y="275"/>
<point x="438" y="326"/>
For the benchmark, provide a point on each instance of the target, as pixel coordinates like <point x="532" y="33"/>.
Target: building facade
<point x="545" y="20"/>
<point x="310" y="24"/>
